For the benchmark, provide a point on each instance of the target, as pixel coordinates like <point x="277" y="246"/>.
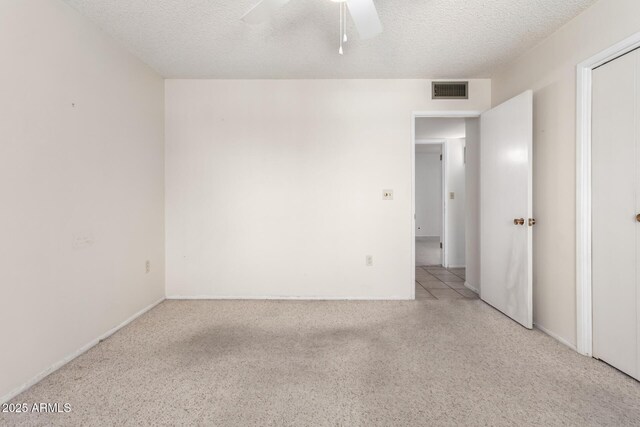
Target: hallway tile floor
<point x="440" y="283"/>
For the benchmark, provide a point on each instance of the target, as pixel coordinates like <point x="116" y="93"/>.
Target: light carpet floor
<point x="243" y="363"/>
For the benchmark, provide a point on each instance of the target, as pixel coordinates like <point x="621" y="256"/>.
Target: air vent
<point x="450" y="90"/>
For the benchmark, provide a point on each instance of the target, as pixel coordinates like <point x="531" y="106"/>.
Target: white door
<point x="506" y="208"/>
<point x="615" y="203"/>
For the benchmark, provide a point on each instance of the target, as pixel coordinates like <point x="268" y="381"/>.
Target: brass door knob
<point x="518" y="221"/>
<point x="638" y="217"/>
<point x="532" y="222"/>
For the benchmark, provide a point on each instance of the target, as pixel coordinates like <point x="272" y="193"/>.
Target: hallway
<point x="442" y="283"/>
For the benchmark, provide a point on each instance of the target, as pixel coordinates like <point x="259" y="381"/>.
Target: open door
<point x="506" y="208"/>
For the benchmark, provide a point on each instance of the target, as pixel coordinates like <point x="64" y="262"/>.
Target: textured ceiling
<point x="421" y="38"/>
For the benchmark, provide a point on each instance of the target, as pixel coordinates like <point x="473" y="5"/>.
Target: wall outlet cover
<point x="387" y="194"/>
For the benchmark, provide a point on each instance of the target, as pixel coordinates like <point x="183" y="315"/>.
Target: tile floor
<point x="442" y="283"/>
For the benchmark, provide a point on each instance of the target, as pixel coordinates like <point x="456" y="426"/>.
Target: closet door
<point x="615" y="204"/>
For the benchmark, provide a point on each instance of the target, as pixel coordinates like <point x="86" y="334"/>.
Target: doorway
<point x="440" y="200"/>
<point x="430" y="211"/>
<point x="497" y="208"/>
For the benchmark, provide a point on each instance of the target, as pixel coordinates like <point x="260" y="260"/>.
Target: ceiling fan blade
<point x="263" y="11"/>
<point x="366" y="18"/>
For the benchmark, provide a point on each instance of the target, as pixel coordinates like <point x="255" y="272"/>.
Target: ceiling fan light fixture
<point x="363" y="13"/>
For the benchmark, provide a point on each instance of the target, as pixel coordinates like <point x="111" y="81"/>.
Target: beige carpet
<point x="332" y="363"/>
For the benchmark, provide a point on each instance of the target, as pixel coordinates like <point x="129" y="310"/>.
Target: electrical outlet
<point x="369" y="260"/>
<point x="147" y="267"/>
<point x="387" y="194"/>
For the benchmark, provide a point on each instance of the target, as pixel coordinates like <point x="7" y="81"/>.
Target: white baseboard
<point x="473" y="288"/>
<point x="59" y="364"/>
<point x="457" y="266"/>
<point x="555" y="336"/>
<point x="294" y="298"/>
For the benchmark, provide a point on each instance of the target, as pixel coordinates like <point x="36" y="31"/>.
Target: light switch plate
<point x="387" y="194"/>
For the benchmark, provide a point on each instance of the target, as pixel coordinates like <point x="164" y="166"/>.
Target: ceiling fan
<point x="363" y="13"/>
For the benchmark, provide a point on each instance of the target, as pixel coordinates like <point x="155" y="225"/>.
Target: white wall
<point x="439" y="128"/>
<point x="81" y="179"/>
<point x="428" y="194"/>
<point x="550" y="70"/>
<point x="455" y="208"/>
<point x="274" y="188"/>
<point x="472" y="203"/>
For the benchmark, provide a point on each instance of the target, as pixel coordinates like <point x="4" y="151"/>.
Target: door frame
<point x="415" y="115"/>
<point x="444" y="188"/>
<point x="584" y="302"/>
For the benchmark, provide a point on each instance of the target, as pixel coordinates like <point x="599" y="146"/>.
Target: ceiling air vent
<point x="450" y="90"/>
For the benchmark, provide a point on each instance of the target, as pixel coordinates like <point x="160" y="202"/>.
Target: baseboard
<point x="555" y="336"/>
<point x="285" y="298"/>
<point x="431" y="237"/>
<point x="457" y="266"/>
<point x="13" y="393"/>
<point x="473" y="288"/>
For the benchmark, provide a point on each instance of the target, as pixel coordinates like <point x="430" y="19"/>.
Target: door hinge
<point x="440" y="157"/>
<point x="440" y="245"/>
